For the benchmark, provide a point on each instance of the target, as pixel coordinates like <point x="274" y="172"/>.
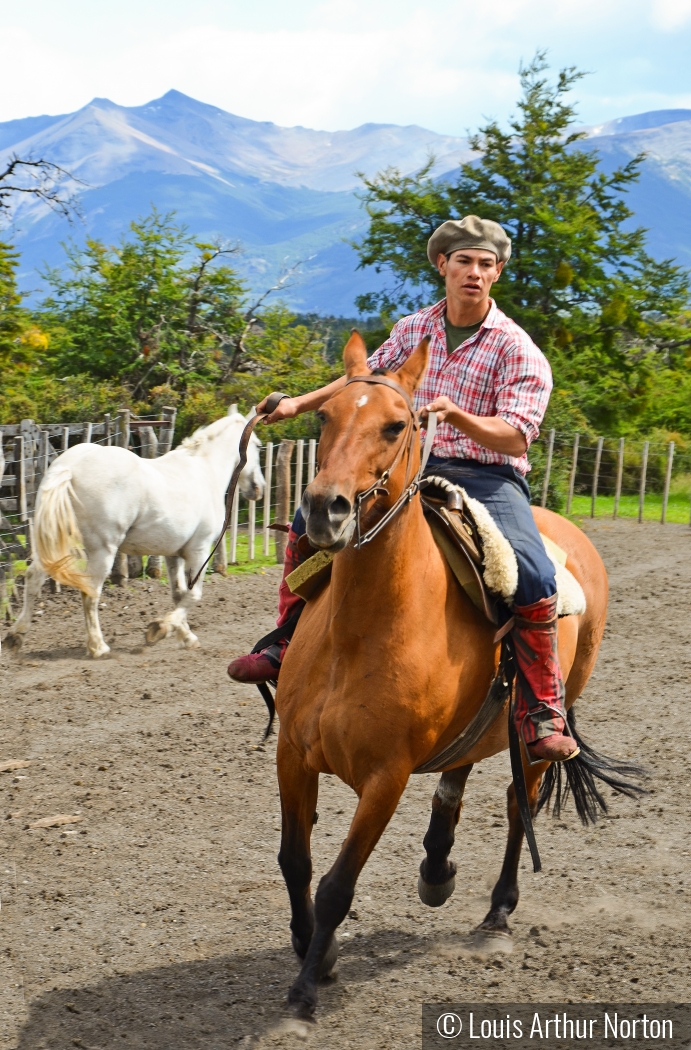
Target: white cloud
<point x="670" y="14"/>
<point x="331" y="64"/>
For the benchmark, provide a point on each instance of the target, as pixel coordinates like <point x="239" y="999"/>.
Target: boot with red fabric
<point x="540" y="713"/>
<point x="255" y="668"/>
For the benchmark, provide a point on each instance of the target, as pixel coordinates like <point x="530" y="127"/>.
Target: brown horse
<point x="388" y="664"/>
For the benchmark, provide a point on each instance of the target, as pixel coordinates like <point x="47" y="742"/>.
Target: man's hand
<point x="287" y="408"/>
<point x="489" y="431"/>
<point x="442" y="406"/>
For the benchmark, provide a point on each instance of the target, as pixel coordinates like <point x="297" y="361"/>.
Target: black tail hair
<point x="581" y="775"/>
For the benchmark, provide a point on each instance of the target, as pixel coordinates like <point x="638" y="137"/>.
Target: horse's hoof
<point x="192" y="642"/>
<point x="96" y="654"/>
<point x="491" y="936"/>
<point x="303" y="1001"/>
<point x="329" y="962"/>
<point x="155" y="632"/>
<point x="13" y="641"/>
<point x="435" y="896"/>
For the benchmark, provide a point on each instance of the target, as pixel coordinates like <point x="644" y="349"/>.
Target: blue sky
<point x="444" y="65"/>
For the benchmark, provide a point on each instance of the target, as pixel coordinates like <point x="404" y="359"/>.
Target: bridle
<point x="410" y="489"/>
<point x="411" y="486"/>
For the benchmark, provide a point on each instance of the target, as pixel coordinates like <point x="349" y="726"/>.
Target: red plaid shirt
<point x="499" y="371"/>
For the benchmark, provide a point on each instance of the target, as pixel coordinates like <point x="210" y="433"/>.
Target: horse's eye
<point x="394" y="429"/>
<point x="321" y="416"/>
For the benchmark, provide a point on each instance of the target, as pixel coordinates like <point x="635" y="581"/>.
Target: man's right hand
<point x="287" y="409"/>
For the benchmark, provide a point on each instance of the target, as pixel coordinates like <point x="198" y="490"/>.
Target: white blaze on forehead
<point x="361" y="401"/>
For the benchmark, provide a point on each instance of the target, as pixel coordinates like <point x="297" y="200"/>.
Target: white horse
<point x="95" y="500"/>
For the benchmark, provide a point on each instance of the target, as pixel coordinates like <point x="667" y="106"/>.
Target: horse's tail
<point x="56" y="536"/>
<point x="582" y="772"/>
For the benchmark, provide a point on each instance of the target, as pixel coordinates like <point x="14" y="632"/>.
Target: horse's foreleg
<point x="505" y="893"/>
<point x="437" y="873"/>
<point x="299" y="788"/>
<point x="33" y="582"/>
<point x="334" y="896"/>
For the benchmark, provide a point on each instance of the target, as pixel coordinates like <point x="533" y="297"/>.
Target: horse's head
<point x="251" y="479"/>
<point x="367" y="430"/>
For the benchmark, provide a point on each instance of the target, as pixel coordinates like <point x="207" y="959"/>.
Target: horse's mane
<point x="201" y="437"/>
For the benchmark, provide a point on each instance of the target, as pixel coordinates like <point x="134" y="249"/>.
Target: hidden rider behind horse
<point x="489" y="385"/>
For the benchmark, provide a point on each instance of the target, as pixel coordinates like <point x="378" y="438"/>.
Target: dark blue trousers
<point x="506" y="495"/>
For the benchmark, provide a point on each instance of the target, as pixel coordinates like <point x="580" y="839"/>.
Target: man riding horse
<point x="489" y="385"/>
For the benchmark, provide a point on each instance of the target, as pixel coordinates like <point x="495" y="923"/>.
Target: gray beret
<point x="470" y="232"/>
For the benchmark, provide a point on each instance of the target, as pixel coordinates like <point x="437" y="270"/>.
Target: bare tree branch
<point x="42" y="180"/>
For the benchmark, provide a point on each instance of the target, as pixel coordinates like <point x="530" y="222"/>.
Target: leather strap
<point x="272" y="403"/>
<point x="385" y="381"/>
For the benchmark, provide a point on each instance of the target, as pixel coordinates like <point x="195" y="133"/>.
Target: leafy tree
<point x="143" y="313"/>
<point x="579" y="280"/>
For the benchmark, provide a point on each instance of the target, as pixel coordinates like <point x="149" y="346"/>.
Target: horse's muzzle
<point x="329" y="518"/>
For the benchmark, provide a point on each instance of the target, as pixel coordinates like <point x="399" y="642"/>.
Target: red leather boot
<point x="254" y="668"/>
<point x="539" y="711"/>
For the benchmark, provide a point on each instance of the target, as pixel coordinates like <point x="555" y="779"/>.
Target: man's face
<point x="470" y="273"/>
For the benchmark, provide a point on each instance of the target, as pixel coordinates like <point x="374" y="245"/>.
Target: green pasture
<point x="678" y="506"/>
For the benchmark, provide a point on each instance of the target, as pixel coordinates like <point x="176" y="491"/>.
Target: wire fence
<point x="613" y="477"/>
<point x="574" y="474"/>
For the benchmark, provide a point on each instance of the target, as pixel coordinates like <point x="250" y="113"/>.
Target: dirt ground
<point x="160" y="920"/>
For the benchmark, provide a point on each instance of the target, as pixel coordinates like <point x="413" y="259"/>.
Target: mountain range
<point x="287" y="195"/>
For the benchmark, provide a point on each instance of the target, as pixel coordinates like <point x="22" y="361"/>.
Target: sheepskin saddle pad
<point x="455" y="512"/>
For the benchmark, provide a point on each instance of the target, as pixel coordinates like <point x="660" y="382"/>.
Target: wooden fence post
<point x="251" y="526"/>
<point x="668" y="480"/>
<point x="548" y="468"/>
<point x="283" y="487"/>
<point x="233" y="556"/>
<point x="165" y="438"/>
<point x="20" y="470"/>
<point x="298" y="474"/>
<point x="596" y="475"/>
<point x="66" y="438"/>
<point x="42" y="461"/>
<point x="311" y="461"/>
<point x="572" y="475"/>
<point x="122" y="437"/>
<point x="86" y="432"/>
<point x="644" y="471"/>
<point x="268" y="470"/>
<point x="106" y="429"/>
<point x="620" y="475"/>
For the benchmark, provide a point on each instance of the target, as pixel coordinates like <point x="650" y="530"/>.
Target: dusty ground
<point x="160" y="919"/>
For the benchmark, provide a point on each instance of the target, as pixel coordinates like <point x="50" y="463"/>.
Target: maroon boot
<point x="539" y="711"/>
<point x="255" y="668"/>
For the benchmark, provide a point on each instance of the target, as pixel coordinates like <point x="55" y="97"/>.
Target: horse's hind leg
<point x="334" y="896"/>
<point x="176" y="621"/>
<point x="299" y="788"/>
<point x="505" y="893"/>
<point x="33" y="582"/>
<point x="100" y="563"/>
<point x="437" y="873"/>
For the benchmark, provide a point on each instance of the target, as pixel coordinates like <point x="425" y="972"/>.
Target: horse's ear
<point x="355" y="356"/>
<point x="410" y="373"/>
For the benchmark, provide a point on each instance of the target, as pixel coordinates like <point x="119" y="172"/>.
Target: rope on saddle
<point x="272" y="403"/>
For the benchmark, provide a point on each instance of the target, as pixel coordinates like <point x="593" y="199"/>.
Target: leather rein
<point x="272" y="403"/>
<point x="411" y="487"/>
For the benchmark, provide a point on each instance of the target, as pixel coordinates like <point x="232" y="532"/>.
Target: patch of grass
<point x="260" y="561"/>
<point x="678" y="507"/>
